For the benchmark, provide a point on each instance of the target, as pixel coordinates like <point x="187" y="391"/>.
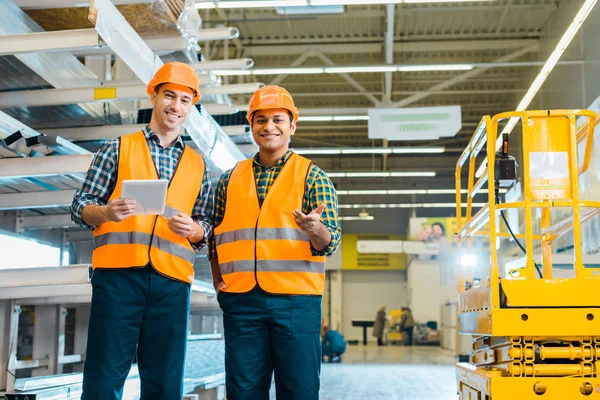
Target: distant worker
<point x="275" y="222"/>
<point x="379" y="326"/>
<point x="143" y="264"/>
<point x="407" y="324"/>
<point x="333" y="345"/>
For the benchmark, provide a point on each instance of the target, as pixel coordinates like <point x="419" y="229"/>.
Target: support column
<point x="45" y="339"/>
<point x="335" y="298"/>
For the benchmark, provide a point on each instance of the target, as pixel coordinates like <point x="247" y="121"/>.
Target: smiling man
<point x="143" y="264"/>
<point x="275" y="222"/>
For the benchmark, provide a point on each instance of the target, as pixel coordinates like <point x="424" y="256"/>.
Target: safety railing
<point x="550" y="170"/>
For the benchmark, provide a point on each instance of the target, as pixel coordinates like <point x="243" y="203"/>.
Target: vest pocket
<point x="306" y="314"/>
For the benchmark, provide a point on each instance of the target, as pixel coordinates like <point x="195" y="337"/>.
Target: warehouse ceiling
<point x="495" y="34"/>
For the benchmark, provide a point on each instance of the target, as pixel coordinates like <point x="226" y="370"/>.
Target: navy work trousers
<point x="136" y="310"/>
<point x="267" y="333"/>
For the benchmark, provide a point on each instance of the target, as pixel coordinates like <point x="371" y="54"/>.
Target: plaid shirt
<point x="101" y="180"/>
<point x="319" y="190"/>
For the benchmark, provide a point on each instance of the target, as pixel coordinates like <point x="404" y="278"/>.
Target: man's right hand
<point x="219" y="285"/>
<point x="119" y="209"/>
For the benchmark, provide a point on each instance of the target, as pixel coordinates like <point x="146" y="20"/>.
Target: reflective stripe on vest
<point x="145" y="239"/>
<point x="263" y="233"/>
<point x="272" y="266"/>
<point x="263" y="245"/>
<point x="142" y="239"/>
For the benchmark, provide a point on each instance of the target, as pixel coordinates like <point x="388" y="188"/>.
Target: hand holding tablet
<point x="150" y="195"/>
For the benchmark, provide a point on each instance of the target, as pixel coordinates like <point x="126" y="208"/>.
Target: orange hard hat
<point x="270" y="97"/>
<point x="176" y="73"/>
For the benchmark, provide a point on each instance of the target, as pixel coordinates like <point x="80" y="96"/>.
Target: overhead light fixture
<point x="441" y="67"/>
<point x="317" y="118"/>
<point x="362" y="192"/>
<point x="379" y="174"/>
<point x="350" y="69"/>
<point x="287" y="71"/>
<point x="408" y="205"/>
<point x="357" y="218"/>
<point x="358" y="69"/>
<point x="372" y="150"/>
<point x="367" y="151"/>
<point x="549" y="65"/>
<point x="329" y="118"/>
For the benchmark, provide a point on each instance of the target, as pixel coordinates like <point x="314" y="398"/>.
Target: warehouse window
<point x="19" y="252"/>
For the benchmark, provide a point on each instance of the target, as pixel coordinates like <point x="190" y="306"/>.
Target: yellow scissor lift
<point x="533" y="337"/>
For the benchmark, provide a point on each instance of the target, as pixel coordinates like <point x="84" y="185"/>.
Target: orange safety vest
<point x="263" y="245"/>
<point x="142" y="239"/>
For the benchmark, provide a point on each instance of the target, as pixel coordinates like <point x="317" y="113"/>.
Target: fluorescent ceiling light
<point x="349" y="69"/>
<point x="367" y="151"/>
<point x="418" y="150"/>
<point x="280" y="71"/>
<point x="368" y="68"/>
<point x="560" y="48"/>
<point x="318" y="118"/>
<point x="362" y="192"/>
<point x="318" y="151"/>
<point x="357" y="218"/>
<point x="379" y="174"/>
<point x="408" y="205"/>
<point x="329" y="118"/>
<point x="411" y="174"/>
<point x="367" y="174"/>
<point x="440" y="67"/>
<point x="373" y="150"/>
<point x="232" y="72"/>
<point x="351" y="118"/>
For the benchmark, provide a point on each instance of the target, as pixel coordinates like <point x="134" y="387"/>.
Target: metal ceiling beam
<point x="9" y="125"/>
<point x="297" y="62"/>
<point x="44" y="166"/>
<point x="401" y="46"/>
<point x="46" y="221"/>
<point x="86" y="42"/>
<point x="51" y="198"/>
<point x="464" y="76"/>
<point x="349" y="79"/>
<point x="413" y="37"/>
<point x="114" y="131"/>
<point x="53" y="97"/>
<point x="317" y="95"/>
<point x="39" y="42"/>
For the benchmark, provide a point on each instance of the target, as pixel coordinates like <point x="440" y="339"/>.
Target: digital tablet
<point x="151" y="195"/>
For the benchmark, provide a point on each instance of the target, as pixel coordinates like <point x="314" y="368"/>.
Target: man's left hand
<point x="183" y="225"/>
<point x="311" y="223"/>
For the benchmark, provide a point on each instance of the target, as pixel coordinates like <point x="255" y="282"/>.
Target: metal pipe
<point x="518" y="369"/>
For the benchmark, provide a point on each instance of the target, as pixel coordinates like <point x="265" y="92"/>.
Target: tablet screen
<point x="151" y="195"/>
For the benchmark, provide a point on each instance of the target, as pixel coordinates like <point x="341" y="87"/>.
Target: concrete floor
<point x="390" y="373"/>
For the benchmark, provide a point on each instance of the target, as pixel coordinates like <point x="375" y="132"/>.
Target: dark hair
<point x="288" y="111"/>
<point x="160" y="85"/>
<point x="440" y="225"/>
